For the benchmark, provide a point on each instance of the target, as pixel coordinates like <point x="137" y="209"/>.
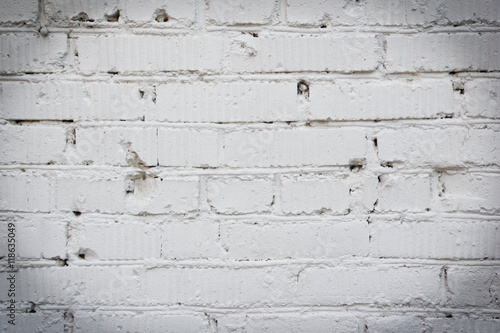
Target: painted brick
<point x="227" y="102"/>
<point x="240" y="195"/>
<point x="462" y="324"/>
<point x="79" y="285"/>
<point x="32" y="53"/>
<point x="311" y="53"/>
<point x="395" y="324"/>
<point x="89" y="193"/>
<point x="443" y="52"/>
<point x="241" y="12"/>
<point x="161" y="195"/>
<point x="117" y="146"/>
<point x="59" y="12"/>
<point x="318" y="13"/>
<point x="436" y="240"/>
<point x="32" y="144"/>
<point x="435" y="147"/>
<point x="274" y="240"/>
<point x="221" y="287"/>
<point x="368" y="285"/>
<point x="472" y="192"/>
<point x="24" y="191"/>
<point x="466" y="11"/>
<point x="32" y="235"/>
<point x="188" y="147"/>
<point x="295" y="147"/>
<point x="149" y="321"/>
<point x="35" y="322"/>
<point x="482" y="98"/>
<point x="409" y="193"/>
<point x="284" y="322"/>
<point x="146" y="11"/>
<point x="474" y="286"/>
<point x="353" y="100"/>
<point x="143" y="53"/>
<point x="311" y="195"/>
<point x="191" y="239"/>
<point x="72" y="101"/>
<point x="117" y="240"/>
<point x="425" y="13"/>
<point x="15" y="11"/>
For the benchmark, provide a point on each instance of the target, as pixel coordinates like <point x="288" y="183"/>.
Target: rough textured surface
<point x="251" y="166"/>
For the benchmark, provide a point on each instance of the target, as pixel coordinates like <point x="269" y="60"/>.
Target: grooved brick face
<point x="227" y="166"/>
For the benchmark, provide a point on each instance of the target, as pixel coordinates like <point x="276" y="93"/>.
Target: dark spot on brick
<point x="81" y="255"/>
<point x="114" y="17"/>
<point x="141" y="93"/>
<point x="303" y="89"/>
<point x="82" y="17"/>
<point x="254" y="34"/>
<point x="77" y="213"/>
<point x="323" y="26"/>
<point x="449" y="315"/>
<point x="31" y="308"/>
<point x="113" y="72"/>
<point x="161" y="15"/>
<point x="375" y="142"/>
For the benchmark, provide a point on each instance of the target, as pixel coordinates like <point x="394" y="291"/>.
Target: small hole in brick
<point x="303" y="89"/>
<point x="323" y="26"/>
<point x="254" y="34"/>
<point x="77" y="213"/>
<point x="81" y="255"/>
<point x="355" y="167"/>
<point x="449" y="315"/>
<point x="427" y="209"/>
<point x="113" y="72"/>
<point x="31" y="308"/>
<point x="82" y="17"/>
<point x="375" y="142"/>
<point x="114" y="17"/>
<point x="141" y="93"/>
<point x="462" y="91"/>
<point x="161" y="15"/>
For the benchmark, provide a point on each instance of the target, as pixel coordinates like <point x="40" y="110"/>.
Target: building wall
<point x="251" y="166"/>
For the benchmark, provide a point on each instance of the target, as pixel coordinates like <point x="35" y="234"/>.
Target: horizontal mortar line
<point x="293" y="309"/>
<point x="168" y="77"/>
<point x="343" y="262"/>
<point x="424" y="217"/>
<point x="424" y="123"/>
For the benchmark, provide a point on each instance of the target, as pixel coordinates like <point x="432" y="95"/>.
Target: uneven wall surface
<point x="250" y="166"/>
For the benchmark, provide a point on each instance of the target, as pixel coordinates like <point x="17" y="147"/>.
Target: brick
<point x="241" y="12"/>
<point x="72" y="101"/>
<point x="192" y="239"/>
<point x="439" y="147"/>
<point x="32" y="144"/>
<point x="436" y="240"/>
<point x="425" y="13"/>
<point x="89" y="193"/>
<point x="147" y="321"/>
<point x="409" y="193"/>
<point x="227" y="102"/>
<point x="78" y="285"/>
<point x="443" y="52"/>
<point x="16" y="11"/>
<point x="122" y="146"/>
<point x="221" y="287"/>
<point x="294" y="147"/>
<point x="467" y="11"/>
<point x="310" y="53"/>
<point x="310" y="195"/>
<point x="142" y="53"/>
<point x="161" y="195"/>
<point x="482" y="146"/>
<point x="188" y="147"/>
<point x="472" y="192"/>
<point x="146" y="11"/>
<point x="20" y="191"/>
<point x="59" y="12"/>
<point x="360" y="100"/>
<point x="368" y="285"/>
<point x="227" y="195"/>
<point x="322" y="12"/>
<point x="395" y="324"/>
<point x="32" y="53"/>
<point x="45" y="321"/>
<point x="473" y="286"/>
<point x="117" y="240"/>
<point x="482" y="98"/>
<point x="462" y="324"/>
<point x="31" y="238"/>
<point x="284" y="322"/>
<point x="275" y="241"/>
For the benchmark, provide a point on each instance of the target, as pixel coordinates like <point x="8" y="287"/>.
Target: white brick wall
<point x="250" y="166"/>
